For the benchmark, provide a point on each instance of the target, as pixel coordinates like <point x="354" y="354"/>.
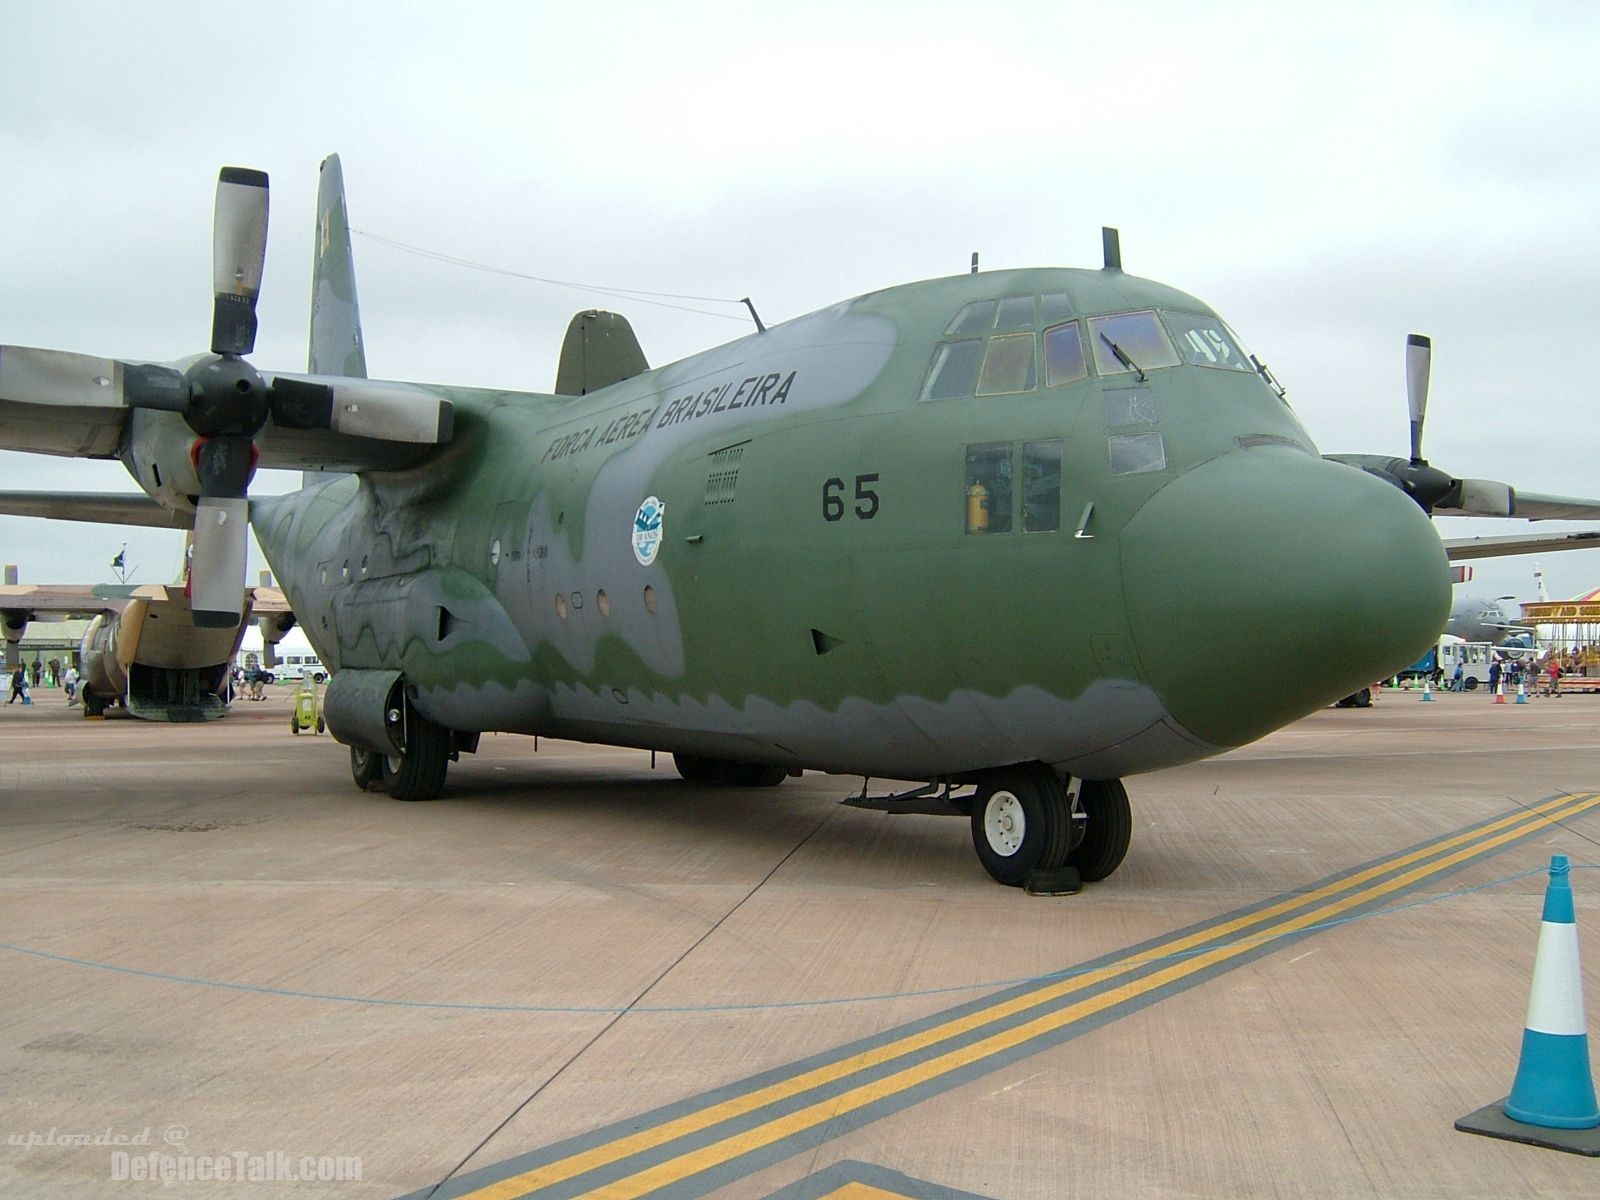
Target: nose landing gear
<point x="1023" y="820"/>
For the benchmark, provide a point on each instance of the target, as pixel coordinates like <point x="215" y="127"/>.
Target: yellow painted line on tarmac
<point x="1471" y="844"/>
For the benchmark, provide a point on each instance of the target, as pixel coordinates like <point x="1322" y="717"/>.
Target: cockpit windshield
<point x="990" y="349"/>
<point x="1130" y="342"/>
<point x="1204" y="341"/>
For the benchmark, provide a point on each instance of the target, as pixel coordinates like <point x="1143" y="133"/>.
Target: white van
<point x="298" y="666"/>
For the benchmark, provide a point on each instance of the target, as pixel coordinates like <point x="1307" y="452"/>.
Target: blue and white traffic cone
<point x="1427" y="691"/>
<point x="1522" y="693"/>
<point x="1554" y="1087"/>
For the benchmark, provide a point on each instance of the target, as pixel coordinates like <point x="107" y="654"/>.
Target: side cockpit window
<point x="992" y="350"/>
<point x="1063" y="355"/>
<point x="1205" y="342"/>
<point x="955" y="371"/>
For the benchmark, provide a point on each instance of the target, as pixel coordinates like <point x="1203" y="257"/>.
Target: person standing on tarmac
<point x="1494" y="676"/>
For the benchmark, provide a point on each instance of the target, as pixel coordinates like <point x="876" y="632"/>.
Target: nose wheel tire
<point x="1020" y="822"/>
<point x="418" y="774"/>
<point x="1108" y="826"/>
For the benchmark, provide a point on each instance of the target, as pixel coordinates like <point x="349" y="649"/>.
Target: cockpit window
<point x="977" y="317"/>
<point x="1063" y="355"/>
<point x="1016" y="312"/>
<point x="1204" y="342"/>
<point x="1054" y="306"/>
<point x="1130" y="342"/>
<point x="1008" y="365"/>
<point x="955" y="370"/>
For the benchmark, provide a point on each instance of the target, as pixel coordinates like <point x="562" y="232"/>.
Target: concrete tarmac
<point x="574" y="975"/>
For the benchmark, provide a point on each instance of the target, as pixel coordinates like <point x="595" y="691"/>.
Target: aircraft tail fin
<point x="600" y="349"/>
<point x="336" y="346"/>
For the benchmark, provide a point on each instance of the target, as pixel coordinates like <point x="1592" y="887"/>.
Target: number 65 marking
<point x="866" y="506"/>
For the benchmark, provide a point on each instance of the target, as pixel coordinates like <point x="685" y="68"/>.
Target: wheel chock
<point x="1052" y="881"/>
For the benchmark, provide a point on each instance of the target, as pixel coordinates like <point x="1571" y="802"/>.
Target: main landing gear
<point x="418" y="774"/>
<point x="730" y="774"/>
<point x="1023" y="820"/>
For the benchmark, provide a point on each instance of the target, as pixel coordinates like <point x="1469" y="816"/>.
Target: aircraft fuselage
<point x="918" y="534"/>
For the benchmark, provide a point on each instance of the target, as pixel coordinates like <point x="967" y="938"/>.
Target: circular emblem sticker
<point x="647" y="530"/>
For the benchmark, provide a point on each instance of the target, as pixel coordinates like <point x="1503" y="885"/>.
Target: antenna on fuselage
<point x="1111" y="246"/>
<point x="974" y="262"/>
<point x="754" y="316"/>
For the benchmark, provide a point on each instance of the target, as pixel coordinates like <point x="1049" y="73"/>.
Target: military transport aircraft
<point x="981" y="531"/>
<point x="142" y="649"/>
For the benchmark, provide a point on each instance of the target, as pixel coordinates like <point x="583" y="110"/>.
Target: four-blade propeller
<point x="221" y="397"/>
<point x="1432" y="489"/>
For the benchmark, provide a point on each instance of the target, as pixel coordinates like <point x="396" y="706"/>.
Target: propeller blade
<point x="29" y="376"/>
<point x="1419" y="356"/>
<point x="1482" y="498"/>
<point x="224" y="465"/>
<point x="57" y="377"/>
<point x="395" y="412"/>
<point x="216" y="569"/>
<point x="238" y="254"/>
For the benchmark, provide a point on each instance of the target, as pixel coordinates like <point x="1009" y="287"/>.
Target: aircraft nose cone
<point x="1268" y="583"/>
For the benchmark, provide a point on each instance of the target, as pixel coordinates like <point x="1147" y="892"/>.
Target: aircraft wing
<point x="1532" y="506"/>
<point x="43" y="601"/>
<point x="103" y="508"/>
<point x="1459" y="549"/>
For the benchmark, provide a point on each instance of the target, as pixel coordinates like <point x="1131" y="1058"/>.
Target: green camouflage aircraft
<point x="1017" y="534"/>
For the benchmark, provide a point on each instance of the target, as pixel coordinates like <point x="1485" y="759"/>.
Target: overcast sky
<point x="1329" y="179"/>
